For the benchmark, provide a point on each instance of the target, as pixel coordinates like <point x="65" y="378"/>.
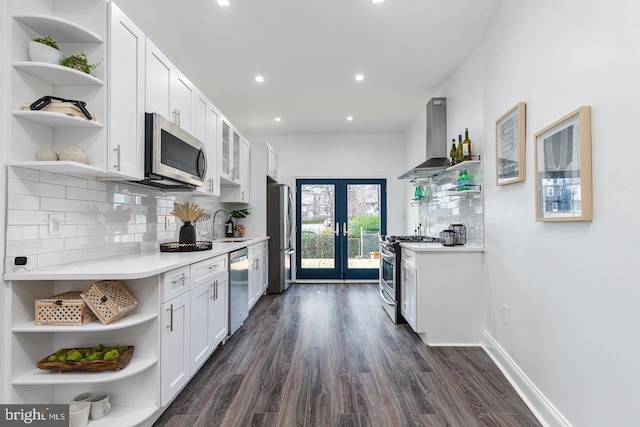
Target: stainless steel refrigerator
<point x="279" y="229"/>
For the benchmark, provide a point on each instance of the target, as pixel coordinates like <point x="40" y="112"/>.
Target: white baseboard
<point x="541" y="407"/>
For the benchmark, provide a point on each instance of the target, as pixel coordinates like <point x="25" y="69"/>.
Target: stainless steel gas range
<point x="390" y="258"/>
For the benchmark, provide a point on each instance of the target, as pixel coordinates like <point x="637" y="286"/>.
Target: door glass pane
<point x="317" y="211"/>
<point x="225" y="148"/>
<point x="363" y="225"/>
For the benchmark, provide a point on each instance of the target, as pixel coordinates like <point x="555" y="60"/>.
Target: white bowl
<point x="39" y="52"/>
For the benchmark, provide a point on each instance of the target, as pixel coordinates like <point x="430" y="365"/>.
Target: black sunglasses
<point x="46" y="100"/>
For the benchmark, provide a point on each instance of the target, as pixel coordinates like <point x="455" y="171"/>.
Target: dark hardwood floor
<point x="328" y="355"/>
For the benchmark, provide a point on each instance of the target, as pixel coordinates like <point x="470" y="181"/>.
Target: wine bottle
<point x="466" y="145"/>
<point x="459" y="153"/>
<point x="453" y="152"/>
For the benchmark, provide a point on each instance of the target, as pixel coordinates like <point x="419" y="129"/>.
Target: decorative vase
<point x="187" y="233"/>
<point x="74" y="153"/>
<point x="46" y="153"/>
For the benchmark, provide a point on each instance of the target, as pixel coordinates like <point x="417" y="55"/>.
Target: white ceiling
<point x="309" y="52"/>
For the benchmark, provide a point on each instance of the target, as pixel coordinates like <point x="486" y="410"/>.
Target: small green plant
<point x="240" y="213"/>
<point x="79" y="62"/>
<point x="47" y="41"/>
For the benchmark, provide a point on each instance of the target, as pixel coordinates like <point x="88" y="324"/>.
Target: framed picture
<point x="510" y="146"/>
<point x="563" y="168"/>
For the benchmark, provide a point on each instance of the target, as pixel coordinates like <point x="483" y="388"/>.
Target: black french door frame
<point x="341" y="270"/>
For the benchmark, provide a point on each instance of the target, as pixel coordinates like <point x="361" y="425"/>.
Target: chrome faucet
<point x="214" y="220"/>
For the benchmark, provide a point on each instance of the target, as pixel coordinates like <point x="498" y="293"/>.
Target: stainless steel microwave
<point x="174" y="158"/>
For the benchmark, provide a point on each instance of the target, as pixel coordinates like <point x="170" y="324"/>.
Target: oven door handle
<point x="386" y="253"/>
<point x="384" y="297"/>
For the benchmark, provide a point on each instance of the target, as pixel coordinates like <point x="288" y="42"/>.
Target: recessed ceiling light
<point x="277" y="119"/>
<point x="372" y="1"/>
<point x="349" y="118"/>
<point x="226" y="2"/>
<point x="259" y="79"/>
<point x="359" y="77"/>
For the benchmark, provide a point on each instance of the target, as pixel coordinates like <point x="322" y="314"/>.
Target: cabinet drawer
<point x="255" y="250"/>
<point x="205" y="270"/>
<point x="408" y="257"/>
<point x="175" y="282"/>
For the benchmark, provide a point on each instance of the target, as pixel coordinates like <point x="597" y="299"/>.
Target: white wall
<point x="4" y="113"/>
<point x="344" y="156"/>
<point x="570" y="287"/>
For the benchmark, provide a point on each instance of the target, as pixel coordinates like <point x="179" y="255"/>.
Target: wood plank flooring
<point x="328" y="355"/>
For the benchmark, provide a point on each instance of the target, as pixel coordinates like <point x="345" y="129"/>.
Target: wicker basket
<point x="91" y="365"/>
<point x="67" y="309"/>
<point x="109" y="300"/>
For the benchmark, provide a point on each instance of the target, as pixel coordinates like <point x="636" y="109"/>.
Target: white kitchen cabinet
<point x="211" y="138"/>
<point x="30" y="130"/>
<point x="135" y="390"/>
<point x="168" y="92"/>
<point x="408" y="288"/>
<point x="126" y="102"/>
<point x="272" y="163"/>
<point x="175" y="360"/>
<point x="208" y="308"/>
<point x="444" y="308"/>
<point x="240" y="190"/>
<point x="258" y="274"/>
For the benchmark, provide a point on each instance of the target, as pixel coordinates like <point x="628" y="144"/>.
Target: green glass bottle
<point x="453" y="152"/>
<point x="463" y="181"/>
<point x="459" y="154"/>
<point x="466" y="145"/>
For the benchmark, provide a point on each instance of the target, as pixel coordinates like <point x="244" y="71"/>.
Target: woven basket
<point x="67" y="309"/>
<point x="91" y="365"/>
<point x="109" y="300"/>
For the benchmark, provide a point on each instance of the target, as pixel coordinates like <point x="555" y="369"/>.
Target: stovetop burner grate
<point x="412" y="239"/>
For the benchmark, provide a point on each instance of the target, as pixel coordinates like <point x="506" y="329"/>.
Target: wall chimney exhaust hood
<point x="437" y="159"/>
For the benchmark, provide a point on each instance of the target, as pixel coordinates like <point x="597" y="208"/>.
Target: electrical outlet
<point x="55" y="224"/>
<point x="505" y="314"/>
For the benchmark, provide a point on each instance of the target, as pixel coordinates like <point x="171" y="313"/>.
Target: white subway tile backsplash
<point x="22" y="217"/>
<point x="88" y="195"/>
<point x="69" y="181"/>
<point x="24" y="247"/>
<point x="33" y="188"/>
<point x="62" y="205"/>
<point x="101" y="219"/>
<point x="22" y="232"/>
<point x="23" y="174"/>
<point x="20" y="201"/>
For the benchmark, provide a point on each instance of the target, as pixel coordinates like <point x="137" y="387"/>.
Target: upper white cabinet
<point x="272" y="163"/>
<point x="30" y="130"/>
<point x="168" y="92"/>
<point x="207" y="129"/>
<point x="238" y="190"/>
<point x="126" y="96"/>
<point x="226" y="153"/>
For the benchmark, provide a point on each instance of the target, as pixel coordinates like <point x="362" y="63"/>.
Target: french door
<point x="339" y="223"/>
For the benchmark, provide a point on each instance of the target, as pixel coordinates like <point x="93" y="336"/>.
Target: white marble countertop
<point x="438" y="247"/>
<point x="133" y="266"/>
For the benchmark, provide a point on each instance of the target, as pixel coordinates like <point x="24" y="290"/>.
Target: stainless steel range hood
<point x="437" y="159"/>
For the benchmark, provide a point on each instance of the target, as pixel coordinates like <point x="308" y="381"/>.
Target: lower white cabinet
<point x="408" y="300"/>
<point x="440" y="291"/>
<point x="174" y="359"/>
<point x="194" y="322"/>
<point x="209" y="315"/>
<point x="258" y="274"/>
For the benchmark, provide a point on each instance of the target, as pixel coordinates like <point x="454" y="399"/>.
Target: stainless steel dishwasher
<point x="238" y="288"/>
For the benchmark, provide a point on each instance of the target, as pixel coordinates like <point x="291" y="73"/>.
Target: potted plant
<point x="79" y="62"/>
<point x="239" y="214"/>
<point x="45" y="49"/>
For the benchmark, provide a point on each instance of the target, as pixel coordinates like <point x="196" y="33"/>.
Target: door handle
<point x="212" y="288"/>
<point x="170" y="310"/>
<point x="344" y="229"/>
<point x="337" y="230"/>
<point x="117" y="165"/>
